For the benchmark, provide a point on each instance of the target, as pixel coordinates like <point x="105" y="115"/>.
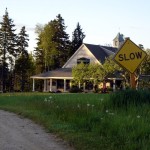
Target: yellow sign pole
<point x="133" y="80"/>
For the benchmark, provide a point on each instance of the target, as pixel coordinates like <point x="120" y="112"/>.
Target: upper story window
<point x="116" y="43"/>
<point x="83" y="60"/>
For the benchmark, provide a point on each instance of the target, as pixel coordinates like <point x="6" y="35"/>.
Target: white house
<point x="60" y="79"/>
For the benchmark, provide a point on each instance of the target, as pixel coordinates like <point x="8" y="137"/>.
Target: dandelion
<point x="138" y="116"/>
<point x="101" y="99"/>
<point x="107" y="111"/>
<point x="45" y="100"/>
<point x="78" y="105"/>
<point x="88" y="107"/>
<point x="88" y="104"/>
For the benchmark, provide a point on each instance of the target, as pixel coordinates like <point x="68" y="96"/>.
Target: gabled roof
<point x="98" y="51"/>
<point x="61" y="73"/>
<point x="101" y="52"/>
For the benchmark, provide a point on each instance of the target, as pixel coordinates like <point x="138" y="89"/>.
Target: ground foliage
<point x="89" y="121"/>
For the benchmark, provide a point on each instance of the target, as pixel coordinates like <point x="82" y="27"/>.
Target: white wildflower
<point x="101" y="99"/>
<point x="78" y="105"/>
<point x="138" y="116"/>
<point x="45" y="100"/>
<point x="107" y="111"/>
<point x="88" y="104"/>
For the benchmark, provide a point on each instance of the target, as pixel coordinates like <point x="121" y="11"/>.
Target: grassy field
<point x="119" y="121"/>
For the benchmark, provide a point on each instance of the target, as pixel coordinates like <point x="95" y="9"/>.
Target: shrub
<point x="75" y="89"/>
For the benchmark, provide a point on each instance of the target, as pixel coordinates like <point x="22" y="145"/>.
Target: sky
<point x="100" y="20"/>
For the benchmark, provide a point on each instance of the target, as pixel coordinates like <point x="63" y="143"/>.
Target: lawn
<point x="119" y="121"/>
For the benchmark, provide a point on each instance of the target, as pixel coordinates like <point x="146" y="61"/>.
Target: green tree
<point x="22" y="65"/>
<point x="110" y="66"/>
<point x="7" y="47"/>
<point x="77" y="38"/>
<point x="60" y="41"/>
<point x="53" y="43"/>
<point x="95" y="72"/>
<point x="39" y="58"/>
<point x="145" y="67"/>
<point x="80" y="73"/>
<point x="39" y="52"/>
<point x="23" y="82"/>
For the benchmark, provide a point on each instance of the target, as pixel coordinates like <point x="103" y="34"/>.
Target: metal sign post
<point x="133" y="80"/>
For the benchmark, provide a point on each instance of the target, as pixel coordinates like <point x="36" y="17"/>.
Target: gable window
<point x="83" y="60"/>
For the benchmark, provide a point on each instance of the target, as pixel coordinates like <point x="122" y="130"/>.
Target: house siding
<point x="82" y="52"/>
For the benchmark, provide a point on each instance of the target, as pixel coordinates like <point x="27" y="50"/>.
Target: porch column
<point x="64" y="85"/>
<point x="44" y="85"/>
<point x="79" y="85"/>
<point x="50" y="86"/>
<point x="84" y="86"/>
<point x="33" y="87"/>
<point x="114" y="85"/>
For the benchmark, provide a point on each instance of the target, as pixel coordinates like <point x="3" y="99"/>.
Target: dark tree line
<point x="53" y="49"/>
<point x="14" y="57"/>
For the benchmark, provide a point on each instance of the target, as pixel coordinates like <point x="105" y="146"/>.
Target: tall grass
<point x="89" y="121"/>
<point x="130" y="97"/>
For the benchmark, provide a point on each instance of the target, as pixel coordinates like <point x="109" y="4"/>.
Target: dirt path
<point x="18" y="133"/>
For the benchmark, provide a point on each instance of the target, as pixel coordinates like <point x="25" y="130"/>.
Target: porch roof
<point x="61" y="73"/>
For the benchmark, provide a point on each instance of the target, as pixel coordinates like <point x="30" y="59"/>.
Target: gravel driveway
<point x="18" y="133"/>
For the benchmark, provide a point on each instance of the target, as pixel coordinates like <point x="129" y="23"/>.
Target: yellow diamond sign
<point x="130" y="56"/>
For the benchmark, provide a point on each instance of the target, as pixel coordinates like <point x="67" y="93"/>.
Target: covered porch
<point x="53" y="81"/>
<point x="60" y="80"/>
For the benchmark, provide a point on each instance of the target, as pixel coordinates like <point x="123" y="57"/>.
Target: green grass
<point x="88" y="121"/>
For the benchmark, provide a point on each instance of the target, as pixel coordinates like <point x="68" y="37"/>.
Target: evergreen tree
<point x="22" y="42"/>
<point x="77" y="39"/>
<point x="23" y="81"/>
<point x="54" y="46"/>
<point x="7" y="47"/>
<point x="39" y="52"/>
<point x="39" y="58"/>
<point x="21" y="65"/>
<point x="61" y="40"/>
<point x="54" y="43"/>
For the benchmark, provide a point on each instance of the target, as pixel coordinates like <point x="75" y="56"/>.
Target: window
<point x="116" y="43"/>
<point x="83" y="60"/>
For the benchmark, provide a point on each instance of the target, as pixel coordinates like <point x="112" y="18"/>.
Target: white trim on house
<point x="76" y="56"/>
<point x="64" y="66"/>
<point x="69" y="78"/>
